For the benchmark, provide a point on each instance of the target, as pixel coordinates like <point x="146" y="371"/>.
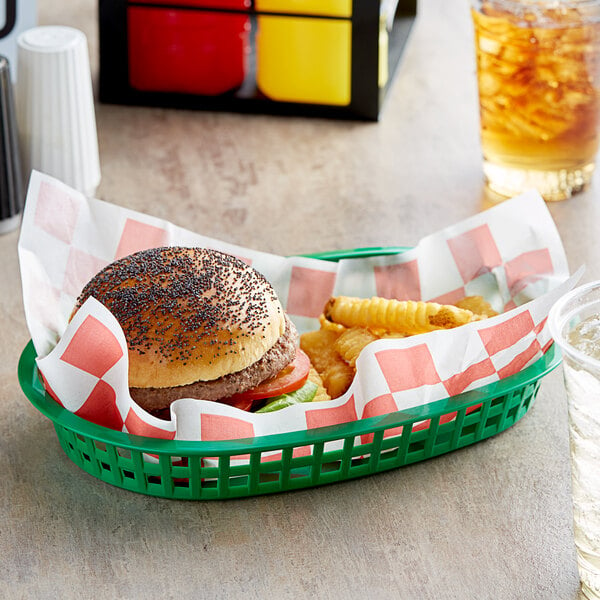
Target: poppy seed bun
<point x="188" y="314"/>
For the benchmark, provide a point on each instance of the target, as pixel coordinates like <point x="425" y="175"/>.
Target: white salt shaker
<point x="55" y="107"/>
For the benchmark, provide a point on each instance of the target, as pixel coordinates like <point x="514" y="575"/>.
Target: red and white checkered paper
<point x="511" y="254"/>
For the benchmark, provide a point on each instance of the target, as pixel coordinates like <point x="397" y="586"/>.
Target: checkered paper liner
<point x="511" y="254"/>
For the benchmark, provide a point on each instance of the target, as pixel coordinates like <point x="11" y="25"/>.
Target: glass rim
<point x="558" y="318"/>
<point x="540" y="3"/>
<point x="589" y="11"/>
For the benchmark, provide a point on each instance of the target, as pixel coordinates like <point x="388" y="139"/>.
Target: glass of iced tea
<point x="538" y="73"/>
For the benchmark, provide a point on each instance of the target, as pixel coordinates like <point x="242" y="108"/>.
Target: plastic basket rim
<point x="27" y="374"/>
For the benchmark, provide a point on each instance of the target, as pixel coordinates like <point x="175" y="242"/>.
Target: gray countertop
<point x="492" y="520"/>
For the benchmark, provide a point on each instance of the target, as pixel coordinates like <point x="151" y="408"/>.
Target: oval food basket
<point x="213" y="470"/>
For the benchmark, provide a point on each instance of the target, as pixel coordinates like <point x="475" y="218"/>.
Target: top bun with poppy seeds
<point x="193" y="316"/>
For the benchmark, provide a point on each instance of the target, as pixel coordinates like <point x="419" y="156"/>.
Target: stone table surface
<point x="492" y="520"/>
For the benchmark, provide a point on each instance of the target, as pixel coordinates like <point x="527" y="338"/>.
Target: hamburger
<point x="199" y="323"/>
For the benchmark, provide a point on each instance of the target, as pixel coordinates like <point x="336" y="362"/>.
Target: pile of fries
<point x="348" y="324"/>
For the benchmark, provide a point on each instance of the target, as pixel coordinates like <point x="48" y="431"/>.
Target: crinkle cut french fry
<point x="408" y="316"/>
<point x="326" y="324"/>
<point x="337" y="374"/>
<point x="448" y="316"/>
<point x="478" y="305"/>
<point x="321" y="394"/>
<point x="350" y="343"/>
<point x="319" y="345"/>
<point x="337" y="378"/>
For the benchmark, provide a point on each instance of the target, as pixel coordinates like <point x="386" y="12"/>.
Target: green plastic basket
<point x="180" y="469"/>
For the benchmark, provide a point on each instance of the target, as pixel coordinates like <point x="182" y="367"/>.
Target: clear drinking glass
<point x="538" y="73"/>
<point x="574" y="322"/>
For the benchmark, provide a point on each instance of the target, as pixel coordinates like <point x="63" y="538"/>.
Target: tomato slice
<point x="290" y="378"/>
<point x="241" y="403"/>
